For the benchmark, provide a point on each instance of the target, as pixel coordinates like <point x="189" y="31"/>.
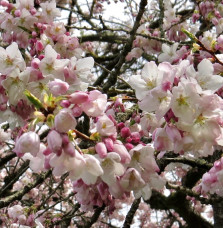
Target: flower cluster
<point x="181" y="96"/>
<point x="103" y="147"/>
<point x="51" y="86"/>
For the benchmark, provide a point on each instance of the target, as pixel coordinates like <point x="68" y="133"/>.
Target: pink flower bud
<point x="214" y="20"/>
<point x="109" y="144"/>
<point x="39" y="46"/>
<point x="120" y="125"/>
<point x="65" y="103"/>
<point x="128" y="139"/>
<point x="101" y="149"/>
<point x="33" y="11"/>
<point x="217" y="165"/>
<point x="64" y="121"/>
<point x="122" y="151"/>
<point x="103" y="190"/>
<point x="41" y="57"/>
<point x="44" y="27"/>
<point x="129" y="146"/>
<point x="77" y="111"/>
<point x="135" y="137"/>
<point x="3" y="107"/>
<point x="17" y="13"/>
<point x="66" y="72"/>
<point x="65" y="140"/>
<point x="47" y="163"/>
<point x="10" y="7"/>
<point x="69" y="149"/>
<point x="34" y="34"/>
<point x="78" y="97"/>
<point x="125" y="132"/>
<point x="47" y="151"/>
<point x="4" y="3"/>
<point x="39" y="25"/>
<point x="209" y="178"/>
<point x="54" y="141"/>
<point x="58" y="87"/>
<point x="35" y="63"/>
<point x="28" y="142"/>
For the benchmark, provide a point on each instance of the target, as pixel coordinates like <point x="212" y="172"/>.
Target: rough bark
<point x="218" y="213"/>
<point x="181" y="205"/>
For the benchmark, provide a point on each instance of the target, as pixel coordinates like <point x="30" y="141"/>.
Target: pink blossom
<point x="96" y="104"/>
<point x="49" y="11"/>
<point x="132" y="180"/>
<point x="28" y="142"/>
<point x="112" y="168"/>
<point x="105" y="126"/>
<point x="58" y="87"/>
<point x="169" y="53"/>
<point x="64" y="121"/>
<point x="37" y="162"/>
<point x="17" y="212"/>
<point x="143" y="157"/>
<point x="161" y="140"/>
<point x="50" y="65"/>
<point x="11" y="60"/>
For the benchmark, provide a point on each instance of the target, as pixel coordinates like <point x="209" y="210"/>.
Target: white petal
<point x="205" y="67"/>
<point x="149" y="71"/>
<point x="93" y="165"/>
<point x="165" y="48"/>
<point x="50" y="52"/>
<point x="85" y="63"/>
<point x="12" y="50"/>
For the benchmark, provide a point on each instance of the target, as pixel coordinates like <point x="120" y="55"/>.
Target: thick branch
<point x="19" y="194"/>
<point x="113" y="77"/>
<point x="94" y="217"/>
<point x="200" y="163"/>
<point x="7" y="158"/>
<point x="131" y="213"/>
<point x="161" y="6"/>
<point x="103" y="37"/>
<point x="218" y="214"/>
<point x="12" y="178"/>
<point x="179" y="203"/>
<point x="66" y="219"/>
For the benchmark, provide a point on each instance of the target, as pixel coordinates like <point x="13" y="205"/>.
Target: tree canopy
<point x="111" y="113"/>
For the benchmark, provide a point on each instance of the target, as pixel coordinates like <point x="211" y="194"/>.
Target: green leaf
<point x="25" y="29"/>
<point x="132" y="122"/>
<point x="189" y="34"/>
<point x="34" y="100"/>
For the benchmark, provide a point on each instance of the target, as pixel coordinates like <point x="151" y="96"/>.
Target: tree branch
<point x="19" y="194"/>
<point x="178" y="202"/>
<point x="129" y="217"/>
